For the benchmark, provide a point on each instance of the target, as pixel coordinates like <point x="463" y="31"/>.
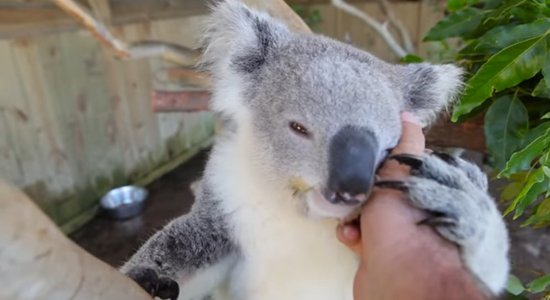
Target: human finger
<point x="349" y="234"/>
<point x="412" y="139"/>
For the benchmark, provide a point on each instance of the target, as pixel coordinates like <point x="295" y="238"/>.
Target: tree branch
<point x="380" y="28"/>
<point x="403" y="32"/>
<point x="176" y="54"/>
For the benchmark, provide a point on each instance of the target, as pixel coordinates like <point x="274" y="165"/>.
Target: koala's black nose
<point x="352" y="164"/>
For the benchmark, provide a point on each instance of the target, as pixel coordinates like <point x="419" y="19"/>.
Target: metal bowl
<point x="124" y="202"/>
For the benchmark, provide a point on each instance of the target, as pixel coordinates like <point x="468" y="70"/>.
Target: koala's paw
<point x="454" y="193"/>
<point x="156" y="286"/>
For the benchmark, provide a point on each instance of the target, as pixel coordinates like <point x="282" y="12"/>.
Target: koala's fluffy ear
<point x="237" y="42"/>
<point x="428" y="89"/>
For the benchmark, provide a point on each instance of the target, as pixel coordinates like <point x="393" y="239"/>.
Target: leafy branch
<point x="507" y="54"/>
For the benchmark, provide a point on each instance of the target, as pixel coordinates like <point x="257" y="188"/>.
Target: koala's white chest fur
<point x="284" y="254"/>
<point x="284" y="259"/>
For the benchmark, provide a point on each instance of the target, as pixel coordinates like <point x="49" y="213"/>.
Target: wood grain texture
<point x="102" y="10"/>
<point x="417" y="17"/>
<point x="39" y="17"/>
<point x="76" y="122"/>
<point x="467" y="135"/>
<point x="184" y="101"/>
<point x="38" y="262"/>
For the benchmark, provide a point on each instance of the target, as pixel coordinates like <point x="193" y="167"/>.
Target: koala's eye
<point x="299" y="129"/>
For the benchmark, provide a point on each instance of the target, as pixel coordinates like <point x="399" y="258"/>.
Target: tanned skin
<point x="401" y="259"/>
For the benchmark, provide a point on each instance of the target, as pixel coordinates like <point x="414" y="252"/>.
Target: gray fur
<point x="455" y="192"/>
<point x="263" y="176"/>
<point x="187" y="244"/>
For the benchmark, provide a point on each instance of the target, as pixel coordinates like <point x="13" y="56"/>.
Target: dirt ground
<point x="170" y="196"/>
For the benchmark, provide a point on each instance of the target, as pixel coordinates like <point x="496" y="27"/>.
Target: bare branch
<point x="403" y="32"/>
<point x="171" y="52"/>
<point x="381" y="29"/>
<point x="176" y="54"/>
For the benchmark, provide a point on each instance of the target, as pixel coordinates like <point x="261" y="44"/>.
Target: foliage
<point x="506" y="52"/>
<point x="516" y="287"/>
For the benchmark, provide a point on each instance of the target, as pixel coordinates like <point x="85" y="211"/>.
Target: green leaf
<point x="506" y="10"/>
<point x="531" y="11"/>
<point x="511" y="191"/>
<point x="503" y="36"/>
<point x="514" y="286"/>
<point x="491" y="4"/>
<point x="546" y="67"/>
<point x="456" y="24"/>
<point x="545" y="159"/>
<point x="453" y="5"/>
<point x="541" y="90"/>
<point x="515" y="297"/>
<point x="505" y="69"/>
<point x="506" y="122"/>
<point x="534" y="133"/>
<point x="541" y="216"/>
<point x="523" y="159"/>
<point x="411" y="58"/>
<point x="543" y="211"/>
<point x="509" y="11"/>
<point x="539" y="285"/>
<point x="536" y="184"/>
<point x="543" y="87"/>
<point x="546" y="116"/>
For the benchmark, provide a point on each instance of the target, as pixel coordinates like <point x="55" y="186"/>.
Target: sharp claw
<point x="438" y="218"/>
<point x="438" y="221"/>
<point x="413" y="161"/>
<point x="446" y="158"/>
<point x="390" y="184"/>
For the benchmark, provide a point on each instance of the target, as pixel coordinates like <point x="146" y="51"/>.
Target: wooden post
<point x="38" y="262"/>
<point x="467" y="135"/>
<point x="180" y="101"/>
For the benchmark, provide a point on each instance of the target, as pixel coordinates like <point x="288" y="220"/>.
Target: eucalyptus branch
<point x="380" y="28"/>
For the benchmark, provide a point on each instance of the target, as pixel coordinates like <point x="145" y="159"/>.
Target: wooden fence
<point x="416" y="16"/>
<point x="75" y="122"/>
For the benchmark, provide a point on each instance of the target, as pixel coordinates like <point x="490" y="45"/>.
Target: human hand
<point x="401" y="259"/>
<point x="394" y="213"/>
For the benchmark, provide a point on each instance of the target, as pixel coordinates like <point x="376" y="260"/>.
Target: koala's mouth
<point x="327" y="204"/>
<point x="334" y="206"/>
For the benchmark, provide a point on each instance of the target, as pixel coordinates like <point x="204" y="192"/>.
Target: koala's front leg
<point x="184" y="250"/>
<point x="454" y="192"/>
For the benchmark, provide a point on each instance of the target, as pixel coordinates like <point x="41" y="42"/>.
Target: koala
<point x="307" y="121"/>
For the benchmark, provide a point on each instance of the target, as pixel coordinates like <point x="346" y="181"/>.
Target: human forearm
<point x="429" y="269"/>
<point x="414" y="262"/>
